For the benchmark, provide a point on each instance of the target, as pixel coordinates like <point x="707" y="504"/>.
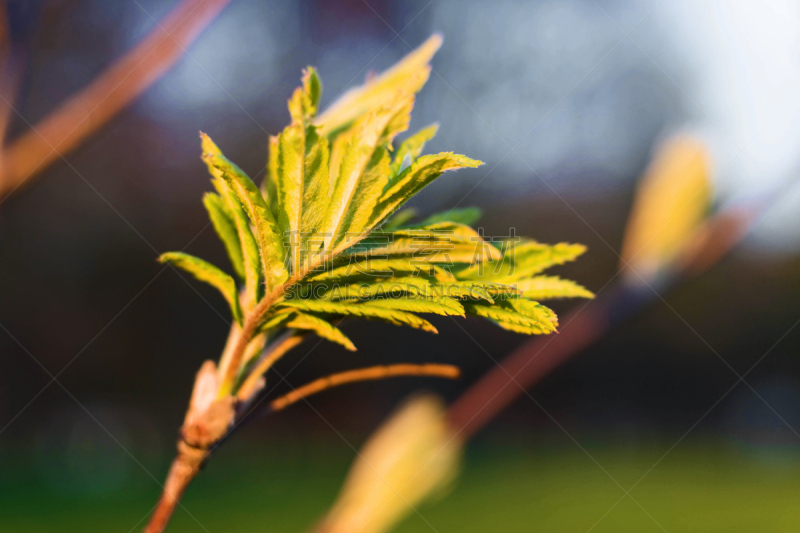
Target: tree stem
<point x="183" y="470"/>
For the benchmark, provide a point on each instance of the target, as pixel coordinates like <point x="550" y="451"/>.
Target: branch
<point x="91" y="108"/>
<point x="364" y="374"/>
<point x="277" y="350"/>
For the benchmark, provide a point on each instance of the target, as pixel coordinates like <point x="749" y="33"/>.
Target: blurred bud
<point x="206" y="386"/>
<point x="672" y="200"/>
<point x="411" y="457"/>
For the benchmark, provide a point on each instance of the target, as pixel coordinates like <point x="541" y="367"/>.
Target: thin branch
<point x="254" y="318"/>
<point x="183" y="470"/>
<point x="364" y="374"/>
<point x="88" y="110"/>
<point x="251" y="323"/>
<point x="277" y="350"/>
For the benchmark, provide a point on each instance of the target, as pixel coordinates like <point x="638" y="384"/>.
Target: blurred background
<point x="565" y="101"/>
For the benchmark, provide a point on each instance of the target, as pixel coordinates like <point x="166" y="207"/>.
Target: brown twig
<point x="277" y="350"/>
<point x="364" y="374"/>
<point x="183" y="470"/>
<point x="88" y="110"/>
<point x="207" y="421"/>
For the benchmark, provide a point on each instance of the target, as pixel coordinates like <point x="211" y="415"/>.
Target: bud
<point x="671" y="201"/>
<point x="410" y="458"/>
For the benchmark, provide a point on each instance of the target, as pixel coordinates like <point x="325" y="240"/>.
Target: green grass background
<point x="509" y="488"/>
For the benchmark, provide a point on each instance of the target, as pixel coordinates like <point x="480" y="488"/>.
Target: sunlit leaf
<point x="406" y="77"/>
<point x="224" y="225"/>
<point x="361" y="309"/>
<point x="549" y="287"/>
<point x="208" y="273"/>
<point x="411" y="148"/>
<point x="416" y="177"/>
<point x="267" y="232"/>
<point x="299" y="320"/>
<point x="520" y="315"/>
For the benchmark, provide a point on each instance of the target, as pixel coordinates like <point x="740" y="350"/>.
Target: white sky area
<point x="559" y="81"/>
<point x="745" y="56"/>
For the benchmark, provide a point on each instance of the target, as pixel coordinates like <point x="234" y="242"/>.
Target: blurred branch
<point x="91" y="108"/>
<point x="9" y="73"/>
<point x="711" y="240"/>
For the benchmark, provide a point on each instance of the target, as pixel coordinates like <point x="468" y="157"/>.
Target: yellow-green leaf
<point x="380" y="268"/>
<point x="305" y="100"/>
<point x="267" y="232"/>
<point x="416" y="177"/>
<point x="522" y="260"/>
<point x="208" y="273"/>
<point x="363" y="310"/>
<point x="406" y="77"/>
<point x="223" y="223"/>
<point x="362" y="159"/>
<point x="521" y="315"/>
<point x="302" y="189"/>
<point x="465" y="215"/>
<point x="247" y="242"/>
<point x="298" y="320"/>
<point x="549" y="287"/>
<point x="438" y="306"/>
<point x="411" y="148"/>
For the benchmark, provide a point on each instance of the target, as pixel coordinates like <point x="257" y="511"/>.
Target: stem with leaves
<point x="313" y="245"/>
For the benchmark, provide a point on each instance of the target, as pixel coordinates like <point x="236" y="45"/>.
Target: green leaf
<point x="466" y="215"/>
<point x="419" y="251"/>
<point x="247" y="242"/>
<point x="298" y="320"/>
<point x="416" y="177"/>
<point x="363" y="310"/>
<point x="225" y="227"/>
<point x="402" y="290"/>
<point x="444" y="243"/>
<point x="304" y="101"/>
<point x="406" y="77"/>
<point x="450" y="232"/>
<point x="268" y="186"/>
<point x="380" y="268"/>
<point x="548" y="287"/>
<point x="363" y="170"/>
<point x="368" y="189"/>
<point x="439" y="306"/>
<point x="522" y="260"/>
<point x="267" y="232"/>
<point x="477" y="290"/>
<point x="301" y="188"/>
<point x="520" y="315"/>
<point x="411" y="148"/>
<point x="299" y="170"/>
<point x="205" y="271"/>
<point x="533" y="257"/>
<point x="365" y="290"/>
<point x="427" y="287"/>
<point x="399" y="219"/>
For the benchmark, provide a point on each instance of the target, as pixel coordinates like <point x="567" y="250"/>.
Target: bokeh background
<point x="564" y="101"/>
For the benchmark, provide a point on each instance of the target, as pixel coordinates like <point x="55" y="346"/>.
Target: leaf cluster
<point x="324" y="237"/>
